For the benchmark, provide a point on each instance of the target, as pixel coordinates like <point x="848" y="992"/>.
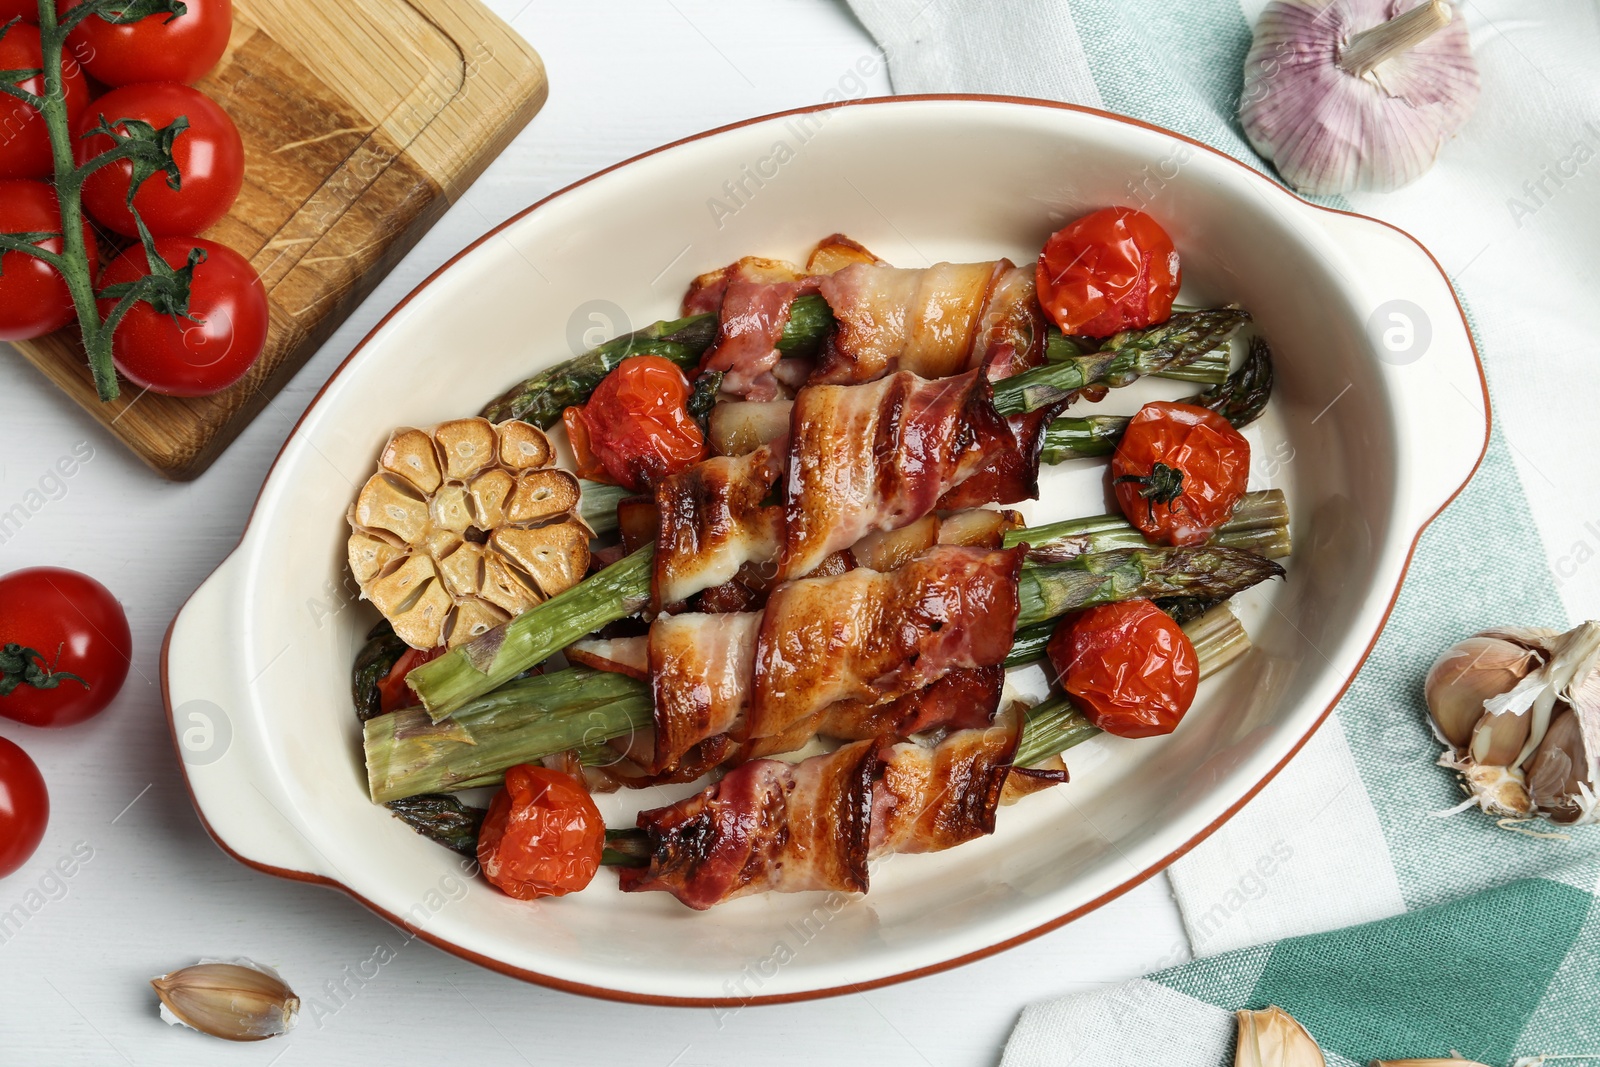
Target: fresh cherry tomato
<point x="157" y="48"/>
<point x="1114" y="269"/>
<point x="24" y="807"/>
<point x="393" y="693"/>
<point x="64" y="646"/>
<point x="24" y="140"/>
<point x="636" y="427"/>
<point x="1129" y="667"/>
<point x="33" y="296"/>
<point x="26" y="10"/>
<point x="542" y="836"/>
<point x="194" y="356"/>
<point x="209" y="155"/>
<point x="1179" y="472"/>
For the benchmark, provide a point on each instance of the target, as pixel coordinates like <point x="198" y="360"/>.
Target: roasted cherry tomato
<point x="393" y="693"/>
<point x="64" y="646"/>
<point x="1112" y="270"/>
<point x="1179" y="472"/>
<point x="209" y="155"/>
<point x="24" y="140"/>
<point x="1129" y="667"/>
<point x="24" y="807"/>
<point x="157" y="48"/>
<point x="542" y="836"/>
<point x="206" y="352"/>
<point x="33" y="297"/>
<point x="636" y="427"/>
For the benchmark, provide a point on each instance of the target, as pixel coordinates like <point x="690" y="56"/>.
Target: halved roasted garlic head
<point x="464" y="526"/>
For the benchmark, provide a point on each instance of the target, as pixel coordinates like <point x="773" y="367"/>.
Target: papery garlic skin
<point x="1272" y="1038"/>
<point x="236" y="1001"/>
<point x="1329" y="131"/>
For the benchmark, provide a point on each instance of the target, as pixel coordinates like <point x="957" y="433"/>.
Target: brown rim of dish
<point x="977" y="954"/>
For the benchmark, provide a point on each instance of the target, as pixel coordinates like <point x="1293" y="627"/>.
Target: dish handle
<point x="1419" y="332"/>
<point x="216" y="735"/>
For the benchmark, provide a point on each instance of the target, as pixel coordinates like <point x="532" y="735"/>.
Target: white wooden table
<point x="156" y="894"/>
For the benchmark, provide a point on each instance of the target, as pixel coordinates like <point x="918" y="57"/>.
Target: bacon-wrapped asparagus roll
<point x="769" y="826"/>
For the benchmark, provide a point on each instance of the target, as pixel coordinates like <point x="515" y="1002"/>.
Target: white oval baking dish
<point x="1370" y="435"/>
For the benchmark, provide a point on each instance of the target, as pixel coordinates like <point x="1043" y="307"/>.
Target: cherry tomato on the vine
<point x="34" y="299"/>
<point x="65" y="646"/>
<point x="209" y="155"/>
<point x="636" y="427"/>
<point x="1179" y="472"/>
<point x="24" y="139"/>
<point x="24" y="807"/>
<point x="157" y="48"/>
<point x="205" y="353"/>
<point x="26" y="10"/>
<point x="1114" y="269"/>
<point x="1129" y="667"/>
<point x="542" y="836"/>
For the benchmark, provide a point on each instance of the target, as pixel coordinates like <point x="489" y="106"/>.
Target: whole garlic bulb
<point x="1519" y="713"/>
<point x="1356" y="94"/>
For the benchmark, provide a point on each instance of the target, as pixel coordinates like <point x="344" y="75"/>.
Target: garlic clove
<point x="1497" y="740"/>
<point x="239" y="1001"/>
<point x="1560" y="772"/>
<point x="1272" y="1038"/>
<point x="1469" y="673"/>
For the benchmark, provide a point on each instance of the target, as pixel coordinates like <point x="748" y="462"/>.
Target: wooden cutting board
<point x="363" y="120"/>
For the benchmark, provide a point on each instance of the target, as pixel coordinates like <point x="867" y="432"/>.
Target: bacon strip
<point x="753" y="298"/>
<point x="932" y="797"/>
<point x="890" y="319"/>
<point x="879" y="457"/>
<point x="1012" y="475"/>
<point x="870" y="636"/>
<point x="766" y="826"/>
<point x="1011" y="330"/>
<point x="712" y="521"/>
<point x="701" y="670"/>
<point x="773" y="827"/>
<point x="965" y="698"/>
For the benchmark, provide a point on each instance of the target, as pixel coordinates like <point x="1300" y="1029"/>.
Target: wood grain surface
<point x="363" y="120"/>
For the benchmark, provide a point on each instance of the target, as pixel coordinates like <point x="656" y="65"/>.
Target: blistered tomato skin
<point x="543" y="835"/>
<point x="636" y="428"/>
<point x="1179" y="472"/>
<point x="1114" y="269"/>
<point x="1129" y="667"/>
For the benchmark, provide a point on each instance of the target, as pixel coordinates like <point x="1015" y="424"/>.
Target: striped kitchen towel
<point x="1336" y="893"/>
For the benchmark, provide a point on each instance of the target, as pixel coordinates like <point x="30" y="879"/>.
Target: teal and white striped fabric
<point x="1475" y="938"/>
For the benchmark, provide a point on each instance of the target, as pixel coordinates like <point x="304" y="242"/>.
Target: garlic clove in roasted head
<point x="1356" y="94"/>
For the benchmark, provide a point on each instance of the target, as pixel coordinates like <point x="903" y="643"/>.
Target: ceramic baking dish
<point x="1379" y="417"/>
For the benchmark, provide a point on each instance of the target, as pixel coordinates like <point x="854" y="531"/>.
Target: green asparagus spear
<point x="442" y="818"/>
<point x="373" y="663"/>
<point x="1259" y="524"/>
<point x="1240" y="400"/>
<point x="409" y="754"/>
<point x="1132" y="354"/>
<point x="541" y="399"/>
